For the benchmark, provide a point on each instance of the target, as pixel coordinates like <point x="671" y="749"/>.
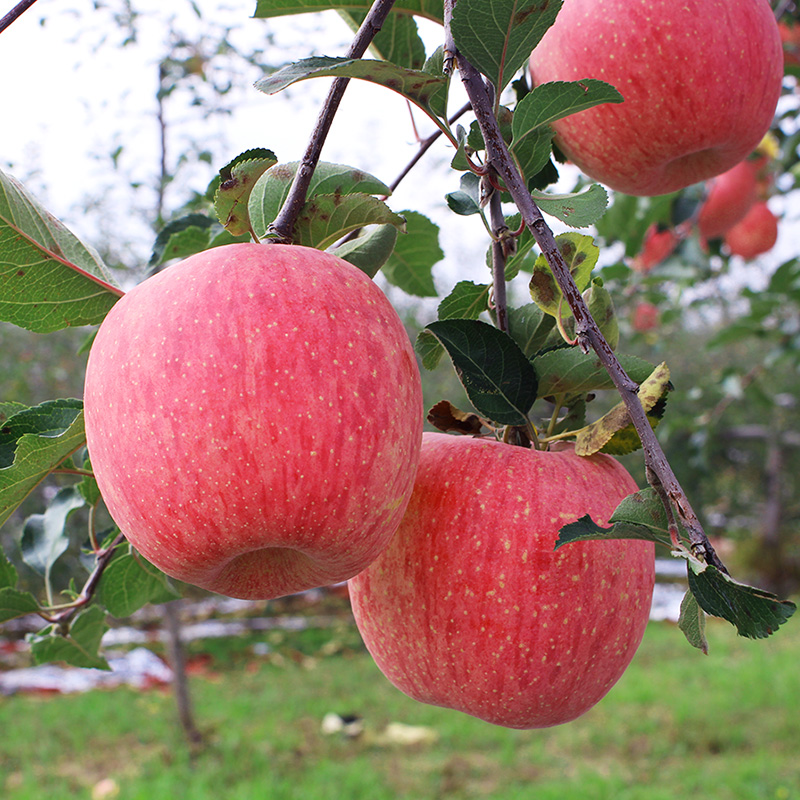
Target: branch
<point x="15" y="13"/>
<point x="659" y="471"/>
<point x="280" y="231"/>
<point x="62" y="618"/>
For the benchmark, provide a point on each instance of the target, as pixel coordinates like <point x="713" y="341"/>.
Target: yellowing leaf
<point x="598" y="434"/>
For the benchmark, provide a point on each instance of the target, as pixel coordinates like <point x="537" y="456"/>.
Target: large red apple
<point x="700" y="78"/>
<point x="254" y="419"/>
<point x="755" y="234"/>
<point x="470" y="608"/>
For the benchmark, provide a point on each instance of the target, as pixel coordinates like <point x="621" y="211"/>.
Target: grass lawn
<point x="678" y="725"/>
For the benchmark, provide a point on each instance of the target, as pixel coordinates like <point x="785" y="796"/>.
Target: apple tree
<point x="252" y="417"/>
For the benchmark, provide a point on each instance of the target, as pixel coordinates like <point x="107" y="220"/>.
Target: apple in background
<point x="470" y="608"/>
<point x="755" y="234"/>
<point x="254" y="419"/>
<point x="790" y="37"/>
<point x="700" y="78"/>
<point x="658" y="245"/>
<point x="645" y="317"/>
<point x="730" y="195"/>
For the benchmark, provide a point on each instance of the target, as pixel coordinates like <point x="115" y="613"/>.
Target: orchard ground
<point x="669" y="729"/>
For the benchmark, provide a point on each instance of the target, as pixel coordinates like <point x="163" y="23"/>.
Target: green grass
<point x="677" y="725"/>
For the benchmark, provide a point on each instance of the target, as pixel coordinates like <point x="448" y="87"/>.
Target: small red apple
<point x="470" y="608"/>
<point x="658" y="245"/>
<point x="645" y="317"/>
<point x="701" y="80"/>
<point x="755" y="234"/>
<point x="730" y="195"/>
<point x="253" y="418"/>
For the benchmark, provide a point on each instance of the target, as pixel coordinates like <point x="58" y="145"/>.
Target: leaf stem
<point x="587" y="331"/>
<point x="280" y="231"/>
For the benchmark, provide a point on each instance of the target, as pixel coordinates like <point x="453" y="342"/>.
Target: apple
<point x="701" y="80"/>
<point x="470" y="608"/>
<point x="790" y="37"/>
<point x="729" y="198"/>
<point x="254" y="419"/>
<point x="755" y="234"/>
<point x="658" y="245"/>
<point x="645" y="317"/>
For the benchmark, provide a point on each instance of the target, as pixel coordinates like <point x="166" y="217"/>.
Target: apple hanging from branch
<point x="254" y="419"/>
<point x="701" y="80"/>
<point x="755" y="234"/>
<point x="470" y="608"/>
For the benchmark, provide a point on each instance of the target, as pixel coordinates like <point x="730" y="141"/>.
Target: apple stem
<point x="588" y="335"/>
<point x="280" y="231"/>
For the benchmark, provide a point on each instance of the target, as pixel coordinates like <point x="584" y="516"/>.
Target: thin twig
<point x="587" y="331"/>
<point x="63" y="618"/>
<point x="280" y="231"/>
<point x="15" y="13"/>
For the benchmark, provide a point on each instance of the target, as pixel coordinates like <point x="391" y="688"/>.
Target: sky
<point x="79" y="94"/>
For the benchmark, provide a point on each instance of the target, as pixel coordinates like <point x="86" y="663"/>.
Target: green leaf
<point x="547" y="103"/>
<point x="499" y="380"/>
<point x="568" y="371"/>
<point x="129" y="582"/>
<point x="692" y="621"/>
<point x="427" y="91"/>
<point x="44" y="536"/>
<point x="601" y="307"/>
<point x="467" y="300"/>
<point x="529" y="327"/>
<point x="14" y="603"/>
<point x="576" y="209"/>
<point x="580" y="254"/>
<point x="397" y="41"/>
<point x="50" y="433"/>
<point x="272" y="188"/>
<point x="755" y="613"/>
<point x="429" y="349"/>
<point x="49" y="279"/>
<point x="640" y="515"/>
<point x="466" y="201"/>
<point x="371" y="250"/>
<point x="237" y="179"/>
<point x="410" y="267"/>
<point x="8" y="572"/>
<point x="79" y="648"/>
<point x="326" y="218"/>
<point x="430" y="9"/>
<point x="185" y="236"/>
<point x="497" y="37"/>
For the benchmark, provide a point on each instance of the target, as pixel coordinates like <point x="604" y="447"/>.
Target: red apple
<point x="790" y="37"/>
<point x="470" y="608"/>
<point x="657" y="246"/>
<point x="645" y="317"/>
<point x="730" y="195"/>
<point x="253" y="418"/>
<point x="755" y="234"/>
<point x="700" y="78"/>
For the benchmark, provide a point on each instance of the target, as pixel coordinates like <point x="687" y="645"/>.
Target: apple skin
<point x="755" y="234"/>
<point x="730" y="196"/>
<point x="657" y="246"/>
<point x="701" y="80"/>
<point x="470" y="608"/>
<point x="645" y="317"/>
<point x="254" y="419"/>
